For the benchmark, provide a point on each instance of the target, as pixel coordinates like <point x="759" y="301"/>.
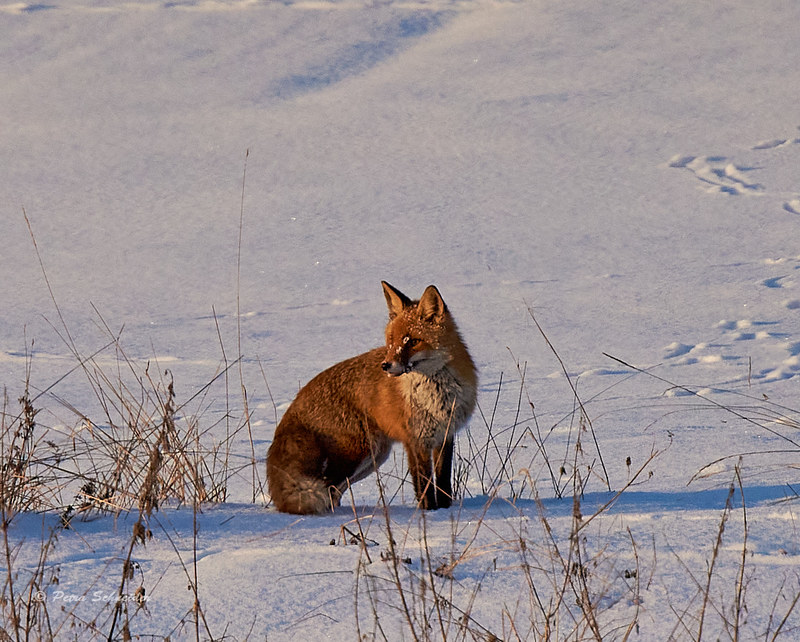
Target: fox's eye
<point x="412" y="342"/>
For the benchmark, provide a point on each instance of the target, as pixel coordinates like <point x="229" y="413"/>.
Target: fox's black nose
<point x="393" y="368"/>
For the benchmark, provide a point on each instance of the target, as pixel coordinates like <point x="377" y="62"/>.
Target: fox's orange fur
<point x="419" y="390"/>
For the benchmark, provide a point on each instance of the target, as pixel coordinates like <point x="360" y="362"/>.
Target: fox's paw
<point x="433" y="501"/>
<point x="443" y="500"/>
<point x="428" y="501"/>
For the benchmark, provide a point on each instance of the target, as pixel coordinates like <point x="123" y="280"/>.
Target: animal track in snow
<point x="724" y="175"/>
<point x="777" y="282"/>
<point x="684" y="353"/>
<point x="768" y="169"/>
<point x="774" y="144"/>
<point x="792" y="206"/>
<point x="783" y="281"/>
<point x="745" y="343"/>
<point x="730" y="346"/>
<point x="746" y="330"/>
<point x="718" y="174"/>
<point x="786" y="260"/>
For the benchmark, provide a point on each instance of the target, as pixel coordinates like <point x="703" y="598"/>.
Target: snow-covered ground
<point x="625" y="173"/>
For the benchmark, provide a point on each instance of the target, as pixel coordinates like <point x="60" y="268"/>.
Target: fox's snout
<point x="401" y="355"/>
<point x="395" y="368"/>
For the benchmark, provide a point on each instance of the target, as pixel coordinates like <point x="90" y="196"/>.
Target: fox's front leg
<point x="443" y="464"/>
<point x="420" y="467"/>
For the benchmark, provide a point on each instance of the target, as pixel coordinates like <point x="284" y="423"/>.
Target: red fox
<point x="419" y="390"/>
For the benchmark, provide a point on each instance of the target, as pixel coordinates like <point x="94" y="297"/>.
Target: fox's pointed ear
<point x="431" y="305"/>
<point x="395" y="299"/>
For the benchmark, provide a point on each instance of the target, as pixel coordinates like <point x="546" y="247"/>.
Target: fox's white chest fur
<point x="440" y="405"/>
